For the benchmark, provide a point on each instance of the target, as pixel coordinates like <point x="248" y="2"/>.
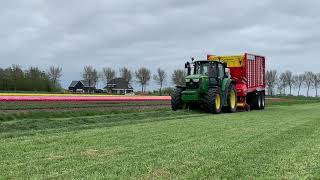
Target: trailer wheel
<point x="263" y="100"/>
<point x="213" y="101"/>
<point x="258" y="98"/>
<point x="255" y="101"/>
<point x="176" y="102"/>
<point x="232" y="99"/>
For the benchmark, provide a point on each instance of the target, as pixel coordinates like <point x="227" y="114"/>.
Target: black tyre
<point x="263" y="100"/>
<point x="232" y="99"/>
<point x="193" y="106"/>
<point x="213" y="101"/>
<point x="256" y="101"/>
<point x="176" y="102"/>
<point x="259" y="101"/>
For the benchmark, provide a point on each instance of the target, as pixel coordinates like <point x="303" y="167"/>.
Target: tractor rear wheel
<point x="232" y="99"/>
<point x="176" y="102"/>
<point x="213" y="101"/>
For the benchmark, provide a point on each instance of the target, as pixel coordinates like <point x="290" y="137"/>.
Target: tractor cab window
<point x="221" y="71"/>
<point x="203" y="68"/>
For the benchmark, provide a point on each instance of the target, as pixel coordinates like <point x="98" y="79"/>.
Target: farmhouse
<point x="118" y="86"/>
<point x="82" y="87"/>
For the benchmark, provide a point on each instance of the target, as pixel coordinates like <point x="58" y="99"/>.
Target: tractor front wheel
<point x="176" y="102"/>
<point x="213" y="101"/>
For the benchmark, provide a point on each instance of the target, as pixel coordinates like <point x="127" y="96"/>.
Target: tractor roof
<point x="204" y="61"/>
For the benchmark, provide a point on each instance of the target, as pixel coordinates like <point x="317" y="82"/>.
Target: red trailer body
<point x="248" y="71"/>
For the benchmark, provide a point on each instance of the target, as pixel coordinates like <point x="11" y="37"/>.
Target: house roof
<point x="118" y="83"/>
<point x="73" y="83"/>
<point x="84" y="83"/>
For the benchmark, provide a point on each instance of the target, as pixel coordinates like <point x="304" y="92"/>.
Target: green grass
<point x="67" y="105"/>
<point x="38" y="110"/>
<point x="292" y="100"/>
<point x="282" y="141"/>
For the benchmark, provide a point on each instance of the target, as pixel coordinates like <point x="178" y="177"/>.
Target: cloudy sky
<point x="166" y="33"/>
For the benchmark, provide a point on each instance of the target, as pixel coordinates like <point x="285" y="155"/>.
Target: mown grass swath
<point x="67" y="105"/>
<point x="38" y="110"/>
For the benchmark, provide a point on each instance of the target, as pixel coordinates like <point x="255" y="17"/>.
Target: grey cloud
<point x="156" y="33"/>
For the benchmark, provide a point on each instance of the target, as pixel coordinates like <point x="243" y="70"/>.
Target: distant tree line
<point x="142" y="76"/>
<point x="280" y="82"/>
<point x="14" y="78"/>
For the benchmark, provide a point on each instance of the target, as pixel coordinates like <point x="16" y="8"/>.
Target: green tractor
<point x="208" y="85"/>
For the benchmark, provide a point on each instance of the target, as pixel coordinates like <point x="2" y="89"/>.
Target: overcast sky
<point x="166" y="33"/>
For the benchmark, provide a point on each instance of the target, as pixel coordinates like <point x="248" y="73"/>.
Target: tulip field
<point x="45" y="136"/>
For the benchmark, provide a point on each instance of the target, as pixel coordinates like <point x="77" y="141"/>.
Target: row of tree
<point x="33" y="79"/>
<point x="288" y="80"/>
<point x="14" y="78"/>
<point x="142" y="76"/>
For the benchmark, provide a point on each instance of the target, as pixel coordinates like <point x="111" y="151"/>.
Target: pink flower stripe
<point x="85" y="98"/>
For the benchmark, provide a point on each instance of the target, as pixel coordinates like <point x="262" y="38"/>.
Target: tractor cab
<point x="209" y="72"/>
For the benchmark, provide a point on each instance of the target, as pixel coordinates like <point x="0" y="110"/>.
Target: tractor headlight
<point x="195" y="80"/>
<point x="187" y="80"/>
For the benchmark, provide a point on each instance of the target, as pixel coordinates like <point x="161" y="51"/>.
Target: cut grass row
<point x="23" y="126"/>
<point x="67" y="105"/>
<point x="281" y="142"/>
<point x="60" y="113"/>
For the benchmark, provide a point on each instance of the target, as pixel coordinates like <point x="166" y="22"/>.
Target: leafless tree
<point x="308" y="80"/>
<point x="178" y="77"/>
<point x="288" y="78"/>
<point x="282" y="83"/>
<point x="90" y="75"/>
<point x="318" y="74"/>
<point x="95" y="77"/>
<point x="108" y="74"/>
<point x="316" y="82"/>
<point x="126" y="74"/>
<point x="143" y="77"/>
<point x="298" y="82"/>
<point x="271" y="80"/>
<point x="280" y="87"/>
<point x="160" y="78"/>
<point x="54" y="74"/>
<point x="16" y="74"/>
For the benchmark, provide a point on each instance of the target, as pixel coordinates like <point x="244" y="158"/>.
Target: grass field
<point x="282" y="141"/>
